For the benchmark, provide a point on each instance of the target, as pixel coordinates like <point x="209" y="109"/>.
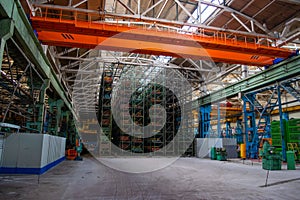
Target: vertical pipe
<point x="153" y="10"/>
<point x="219" y="121"/>
<point x="243" y="128"/>
<point x="199" y="11"/>
<point x="176" y="11"/>
<point x="199" y="122"/>
<point x="246" y="136"/>
<point x="139" y="7"/>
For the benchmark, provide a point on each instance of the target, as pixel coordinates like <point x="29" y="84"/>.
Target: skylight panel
<point x="206" y="12"/>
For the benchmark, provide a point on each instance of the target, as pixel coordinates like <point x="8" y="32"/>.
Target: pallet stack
<point x="293" y="136"/>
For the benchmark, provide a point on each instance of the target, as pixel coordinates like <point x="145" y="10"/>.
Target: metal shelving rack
<point x="149" y="114"/>
<point x="104" y="115"/>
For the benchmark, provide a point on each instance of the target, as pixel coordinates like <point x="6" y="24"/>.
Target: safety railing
<point x="93" y="19"/>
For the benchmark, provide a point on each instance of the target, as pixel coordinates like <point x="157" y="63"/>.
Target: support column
<point x="250" y="127"/>
<point x="55" y="111"/>
<point x="282" y="128"/>
<point x="219" y="121"/>
<point x="6" y="32"/>
<point x="205" y="121"/>
<point x="228" y="130"/>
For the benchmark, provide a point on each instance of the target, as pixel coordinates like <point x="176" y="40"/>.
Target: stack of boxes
<point x="276" y="135"/>
<point x="291" y="137"/>
<point x="143" y="101"/>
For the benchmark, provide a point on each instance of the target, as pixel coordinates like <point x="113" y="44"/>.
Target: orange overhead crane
<point x="62" y="27"/>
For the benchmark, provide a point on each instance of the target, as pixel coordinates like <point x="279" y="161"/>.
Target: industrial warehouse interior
<point x="158" y="99"/>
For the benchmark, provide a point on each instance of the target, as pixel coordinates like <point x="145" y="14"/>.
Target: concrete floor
<point x="187" y="178"/>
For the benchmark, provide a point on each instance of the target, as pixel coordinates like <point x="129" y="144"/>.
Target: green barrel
<point x="213" y="153"/>
<point x="290" y="158"/>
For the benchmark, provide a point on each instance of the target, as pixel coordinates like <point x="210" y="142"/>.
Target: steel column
<point x="282" y="129"/>
<point x="219" y="121"/>
<point x="205" y="121"/>
<point x="239" y="132"/>
<point x="228" y="130"/>
<point x="56" y="116"/>
<point x="250" y="129"/>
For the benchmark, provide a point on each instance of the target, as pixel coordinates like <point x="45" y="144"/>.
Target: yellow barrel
<point x="243" y="150"/>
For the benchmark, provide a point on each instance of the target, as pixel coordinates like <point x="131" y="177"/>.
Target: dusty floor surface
<point x="187" y="178"/>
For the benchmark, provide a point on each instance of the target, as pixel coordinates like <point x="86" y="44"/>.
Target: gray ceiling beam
<point x="295" y="2"/>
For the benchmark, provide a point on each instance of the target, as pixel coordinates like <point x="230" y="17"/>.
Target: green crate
<point x="276" y="142"/>
<point x="290" y="158"/>
<point x="294" y="122"/>
<point x="276" y="133"/>
<point x="277" y="123"/>
<point x="276" y="136"/>
<point x="293" y="138"/>
<point x="274" y="164"/>
<point x="274" y="123"/>
<point x="275" y="130"/>
<point x="293" y="129"/>
<point x="278" y="150"/>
